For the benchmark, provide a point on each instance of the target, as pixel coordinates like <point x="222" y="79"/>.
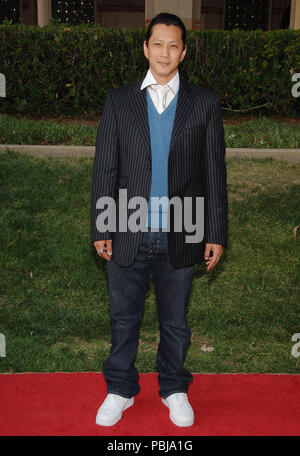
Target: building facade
<point x="196" y="14"/>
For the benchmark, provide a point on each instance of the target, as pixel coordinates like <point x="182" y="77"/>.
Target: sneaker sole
<point x="173" y="420"/>
<point x="102" y="422"/>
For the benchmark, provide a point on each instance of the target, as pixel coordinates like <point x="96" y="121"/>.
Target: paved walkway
<point x="288" y="155"/>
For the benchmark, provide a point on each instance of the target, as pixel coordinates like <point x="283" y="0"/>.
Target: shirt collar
<point x="150" y="79"/>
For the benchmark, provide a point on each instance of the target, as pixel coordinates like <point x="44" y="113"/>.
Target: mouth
<point x="164" y="63"/>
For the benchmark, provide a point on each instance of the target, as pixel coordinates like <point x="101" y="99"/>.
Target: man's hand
<point x="106" y="247"/>
<point x="217" y="250"/>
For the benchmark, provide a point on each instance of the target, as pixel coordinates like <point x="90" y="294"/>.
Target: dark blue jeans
<point x="127" y="289"/>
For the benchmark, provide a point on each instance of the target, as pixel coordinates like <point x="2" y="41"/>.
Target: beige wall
<point x="182" y="8"/>
<point x="196" y="14"/>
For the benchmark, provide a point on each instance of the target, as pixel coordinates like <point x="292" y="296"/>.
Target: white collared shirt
<point x="173" y="84"/>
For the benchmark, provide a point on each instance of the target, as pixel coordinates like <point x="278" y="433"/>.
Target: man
<point x="159" y="137"/>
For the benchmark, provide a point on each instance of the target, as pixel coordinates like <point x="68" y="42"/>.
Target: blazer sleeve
<point x="105" y="169"/>
<point x="216" y="199"/>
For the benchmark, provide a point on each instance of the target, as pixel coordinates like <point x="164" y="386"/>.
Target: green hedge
<point x="59" y="70"/>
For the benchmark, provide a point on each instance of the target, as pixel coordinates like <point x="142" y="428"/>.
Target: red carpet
<point x="224" y="404"/>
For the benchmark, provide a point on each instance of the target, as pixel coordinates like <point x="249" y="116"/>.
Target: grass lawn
<point x="260" y="132"/>
<point x="54" y="309"/>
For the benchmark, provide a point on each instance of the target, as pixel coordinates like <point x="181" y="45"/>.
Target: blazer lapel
<point x="183" y="109"/>
<point x="139" y="108"/>
<point x="138" y="102"/>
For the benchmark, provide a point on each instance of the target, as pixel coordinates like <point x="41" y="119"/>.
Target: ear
<point x="145" y="50"/>
<point x="183" y="53"/>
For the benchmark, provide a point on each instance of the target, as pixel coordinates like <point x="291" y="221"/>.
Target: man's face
<point x="165" y="51"/>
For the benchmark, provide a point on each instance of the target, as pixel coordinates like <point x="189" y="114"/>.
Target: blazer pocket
<point x="191" y="130"/>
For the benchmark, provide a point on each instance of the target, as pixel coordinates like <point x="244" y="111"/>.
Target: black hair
<point x="167" y="19"/>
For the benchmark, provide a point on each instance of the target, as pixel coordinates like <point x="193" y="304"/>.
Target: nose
<point x="165" y="50"/>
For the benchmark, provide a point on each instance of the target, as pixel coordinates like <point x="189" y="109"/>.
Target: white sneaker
<point x="181" y="412"/>
<point x="110" y="412"/>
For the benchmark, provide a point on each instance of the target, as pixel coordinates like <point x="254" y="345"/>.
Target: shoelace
<point x="180" y="399"/>
<point x="115" y="400"/>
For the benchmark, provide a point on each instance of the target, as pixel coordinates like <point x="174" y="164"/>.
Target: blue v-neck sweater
<point x="160" y="127"/>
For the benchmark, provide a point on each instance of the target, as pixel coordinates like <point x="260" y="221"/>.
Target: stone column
<point x="295" y="15"/>
<point x="197" y="15"/>
<point x="43" y="12"/>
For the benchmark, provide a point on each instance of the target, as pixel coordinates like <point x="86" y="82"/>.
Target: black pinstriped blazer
<point x="196" y="166"/>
